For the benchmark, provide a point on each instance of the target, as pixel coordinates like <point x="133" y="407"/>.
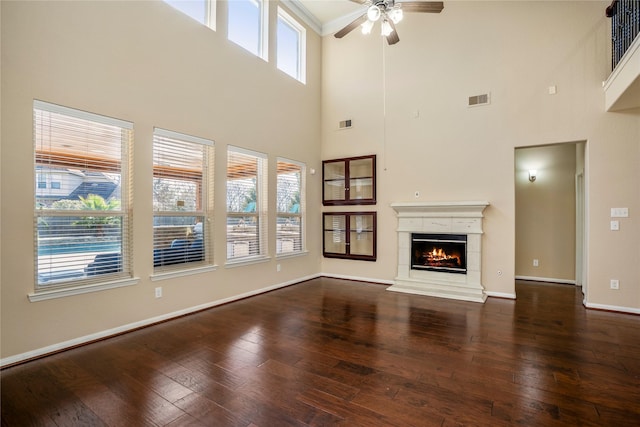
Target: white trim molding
<point x="357" y="278"/>
<point x="616" y="308"/>
<point x="502" y="295"/>
<point x="303" y="13"/>
<point x="547" y="279"/>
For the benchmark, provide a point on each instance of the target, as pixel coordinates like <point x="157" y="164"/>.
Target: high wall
<point x="146" y="63"/>
<point x="408" y="105"/>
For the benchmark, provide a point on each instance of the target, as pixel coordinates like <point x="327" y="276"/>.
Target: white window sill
<point x="291" y="254"/>
<point x="78" y="290"/>
<point x="247" y="261"/>
<point x="170" y="274"/>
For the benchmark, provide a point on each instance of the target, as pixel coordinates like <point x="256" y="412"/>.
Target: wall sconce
<point x="532" y="175"/>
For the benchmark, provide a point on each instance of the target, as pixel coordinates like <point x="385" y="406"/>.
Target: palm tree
<point x="94" y="202"/>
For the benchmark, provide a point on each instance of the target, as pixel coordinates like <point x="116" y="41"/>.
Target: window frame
<point x="50" y="285"/>
<point x="203" y="256"/>
<point x="300" y="215"/>
<point x="210" y="13"/>
<point x="263" y="30"/>
<point x="261" y="208"/>
<point x="294" y="24"/>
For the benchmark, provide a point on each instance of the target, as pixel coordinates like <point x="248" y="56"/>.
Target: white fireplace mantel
<point x="463" y="217"/>
<point x="439" y="209"/>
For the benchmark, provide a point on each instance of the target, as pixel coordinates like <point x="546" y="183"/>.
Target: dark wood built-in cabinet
<point x="349" y="181"/>
<point x="350" y="235"/>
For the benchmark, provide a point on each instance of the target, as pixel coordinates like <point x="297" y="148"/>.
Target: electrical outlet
<point x="615" y="284"/>
<point x="536" y="263"/>
<point x="158" y="292"/>
<point x="615" y="225"/>
<point x="278" y="267"/>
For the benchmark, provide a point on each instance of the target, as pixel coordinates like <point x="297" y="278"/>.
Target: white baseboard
<point x="136" y="325"/>
<point x="500" y="295"/>
<point x="357" y="278"/>
<point x="618" y="308"/>
<point x="546" y="279"/>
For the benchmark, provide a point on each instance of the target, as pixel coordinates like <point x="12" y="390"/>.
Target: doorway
<point x="550" y="197"/>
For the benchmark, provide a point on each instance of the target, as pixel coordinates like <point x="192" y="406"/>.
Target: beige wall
<point x="514" y="50"/>
<point x="146" y="63"/>
<point x="546" y="212"/>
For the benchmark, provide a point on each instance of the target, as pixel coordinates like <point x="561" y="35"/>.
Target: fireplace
<point x="446" y="253"/>
<point x="440" y="249"/>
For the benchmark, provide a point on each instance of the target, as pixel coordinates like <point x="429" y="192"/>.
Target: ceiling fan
<point x="389" y="13"/>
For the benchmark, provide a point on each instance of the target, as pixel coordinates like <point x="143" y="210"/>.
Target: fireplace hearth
<point x="439" y="249"/>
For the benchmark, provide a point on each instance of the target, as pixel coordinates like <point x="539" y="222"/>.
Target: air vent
<point x="478" y="100"/>
<point x="345" y="124"/>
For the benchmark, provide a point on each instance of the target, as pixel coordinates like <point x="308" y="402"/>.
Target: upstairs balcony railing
<point x="625" y="26"/>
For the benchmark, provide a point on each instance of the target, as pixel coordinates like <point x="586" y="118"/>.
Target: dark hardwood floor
<point x="333" y="352"/>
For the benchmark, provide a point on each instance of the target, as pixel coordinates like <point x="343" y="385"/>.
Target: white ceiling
<point x="329" y="10"/>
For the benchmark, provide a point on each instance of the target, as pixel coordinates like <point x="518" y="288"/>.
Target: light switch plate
<point x="615" y="225"/>
<point x="619" y="212"/>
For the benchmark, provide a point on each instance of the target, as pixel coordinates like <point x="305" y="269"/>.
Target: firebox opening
<point x="439" y="252"/>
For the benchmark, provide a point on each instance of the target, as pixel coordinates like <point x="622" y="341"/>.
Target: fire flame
<point x="438" y="254"/>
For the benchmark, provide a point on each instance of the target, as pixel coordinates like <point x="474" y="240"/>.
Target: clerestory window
<point x="203" y="11"/>
<point x="248" y="27"/>
<point x="291" y="46"/>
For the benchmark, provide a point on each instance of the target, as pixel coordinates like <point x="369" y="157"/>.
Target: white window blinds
<point x="290" y="206"/>
<point x="246" y="204"/>
<point x="82" y="197"/>
<point x="182" y="200"/>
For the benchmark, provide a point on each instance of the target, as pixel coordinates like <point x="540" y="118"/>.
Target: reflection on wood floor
<point x="334" y="352"/>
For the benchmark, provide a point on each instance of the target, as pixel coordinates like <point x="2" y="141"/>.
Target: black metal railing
<point x="625" y="26"/>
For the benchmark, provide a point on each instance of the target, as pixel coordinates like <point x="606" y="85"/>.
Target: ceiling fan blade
<point x="393" y="37"/>
<point x="352" y="26"/>
<point x="421" y="6"/>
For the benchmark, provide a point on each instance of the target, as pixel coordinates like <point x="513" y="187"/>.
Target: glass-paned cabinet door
<point x="334" y="181"/>
<point x="349" y="181"/>
<point x="335" y="234"/>
<point x="350" y="235"/>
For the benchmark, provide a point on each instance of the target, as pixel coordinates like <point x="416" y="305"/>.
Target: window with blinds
<point x="246" y="204"/>
<point x="182" y="200"/>
<point x="290" y="207"/>
<point x="82" y="197"/>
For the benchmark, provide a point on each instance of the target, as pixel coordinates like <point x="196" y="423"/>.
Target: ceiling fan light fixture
<point x="373" y="14"/>
<point x="367" y="26"/>
<point x="386" y="28"/>
<point x="395" y="15"/>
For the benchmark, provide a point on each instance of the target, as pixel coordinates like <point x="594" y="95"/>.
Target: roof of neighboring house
<point x="103" y="189"/>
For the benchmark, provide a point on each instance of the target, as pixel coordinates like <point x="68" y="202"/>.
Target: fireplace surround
<point x="452" y="223"/>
